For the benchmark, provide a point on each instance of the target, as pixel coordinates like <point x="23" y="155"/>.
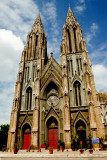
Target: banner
<point x="95" y="140"/>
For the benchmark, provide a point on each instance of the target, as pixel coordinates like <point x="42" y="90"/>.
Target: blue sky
<point x="16" y="20"/>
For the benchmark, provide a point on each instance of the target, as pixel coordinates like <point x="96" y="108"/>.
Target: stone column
<point x="67" y="132"/>
<point x="66" y="118"/>
<point x="35" y="128"/>
<point x="36" y="111"/>
<point x="12" y="130"/>
<point x="97" y="110"/>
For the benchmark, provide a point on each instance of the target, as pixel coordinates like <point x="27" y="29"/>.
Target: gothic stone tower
<point x="54" y="101"/>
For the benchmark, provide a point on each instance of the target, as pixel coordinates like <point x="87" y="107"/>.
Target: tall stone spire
<point x="36" y="46"/>
<point x="73" y="40"/>
<point x="70" y="19"/>
<point x="38" y="24"/>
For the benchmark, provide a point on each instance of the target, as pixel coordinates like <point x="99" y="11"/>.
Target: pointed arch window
<point x="36" y="46"/>
<point x="77" y="91"/>
<point x="43" y="39"/>
<point x="29" y="98"/>
<point x="106" y="118"/>
<point x="75" y="39"/>
<point x="69" y="41"/>
<point x="16" y="103"/>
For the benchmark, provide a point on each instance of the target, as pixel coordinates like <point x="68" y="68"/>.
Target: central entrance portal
<point x="81" y="132"/>
<point x="52" y="125"/>
<point x="26" y="136"/>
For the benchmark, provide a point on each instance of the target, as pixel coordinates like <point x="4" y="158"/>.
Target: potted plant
<point x="73" y="149"/>
<point x="91" y="151"/>
<point x="58" y="147"/>
<point x="74" y="142"/>
<point x="89" y="144"/>
<point x="15" y="148"/>
<point x="30" y="147"/>
<point x="103" y="141"/>
<point x="63" y="146"/>
<point x="51" y="150"/>
<point x="45" y="142"/>
<point x="3" y="149"/>
<point x="39" y="149"/>
<point x="81" y="150"/>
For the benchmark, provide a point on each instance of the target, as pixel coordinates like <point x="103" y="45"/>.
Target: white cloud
<point x="94" y="28"/>
<point x="10" y="55"/>
<point x="18" y="16"/>
<point x="81" y="1"/>
<point x="11" y="48"/>
<point x="100" y="75"/>
<point x="89" y="35"/>
<point x="80" y="8"/>
<point x="6" y="99"/>
<point x="49" y="11"/>
<point x="49" y="15"/>
<point x="99" y="54"/>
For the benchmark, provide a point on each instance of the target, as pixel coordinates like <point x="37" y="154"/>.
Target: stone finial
<point x="38" y="24"/>
<point x="70" y="19"/>
<point x="38" y="19"/>
<point x="51" y="54"/>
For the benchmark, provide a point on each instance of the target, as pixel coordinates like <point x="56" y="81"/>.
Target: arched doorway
<point x="77" y="91"/>
<point x="81" y="131"/>
<point x="52" y="125"/>
<point x="26" y="136"/>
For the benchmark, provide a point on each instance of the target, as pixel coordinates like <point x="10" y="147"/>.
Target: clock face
<point x="53" y="100"/>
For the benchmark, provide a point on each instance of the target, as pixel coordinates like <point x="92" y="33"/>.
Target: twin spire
<point x="70" y="19"/>
<point x="36" y="45"/>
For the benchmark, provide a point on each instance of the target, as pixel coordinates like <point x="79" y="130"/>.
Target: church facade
<point x="54" y="101"/>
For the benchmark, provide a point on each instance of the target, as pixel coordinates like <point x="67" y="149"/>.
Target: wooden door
<point x="53" y="138"/>
<point x="26" y="140"/>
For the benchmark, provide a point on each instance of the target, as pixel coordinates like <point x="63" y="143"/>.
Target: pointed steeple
<point x="36" y="45"/>
<point x="70" y="19"/>
<point x="38" y="24"/>
<point x="72" y="35"/>
<point x="38" y="19"/>
<point x="69" y="11"/>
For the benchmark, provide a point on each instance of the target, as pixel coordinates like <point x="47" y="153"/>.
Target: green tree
<point x="3" y="135"/>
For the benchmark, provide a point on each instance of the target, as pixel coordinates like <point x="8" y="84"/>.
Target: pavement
<point x="57" y="155"/>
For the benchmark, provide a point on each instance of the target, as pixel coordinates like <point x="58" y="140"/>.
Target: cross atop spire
<point x="51" y="54"/>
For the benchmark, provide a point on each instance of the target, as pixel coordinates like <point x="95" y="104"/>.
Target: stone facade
<point x="102" y="97"/>
<point x="49" y="94"/>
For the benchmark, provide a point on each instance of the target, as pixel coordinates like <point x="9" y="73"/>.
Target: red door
<point x="53" y="138"/>
<point x="26" y="140"/>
